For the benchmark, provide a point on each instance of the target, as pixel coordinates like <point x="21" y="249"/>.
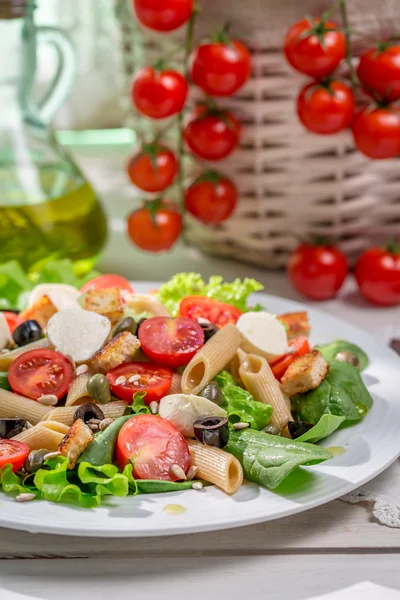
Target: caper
<point x="125" y="324"/>
<point x="349" y="357"/>
<point x="35" y="460"/>
<point x="272" y="430"/>
<point x="98" y="388"/>
<point x="212" y="392"/>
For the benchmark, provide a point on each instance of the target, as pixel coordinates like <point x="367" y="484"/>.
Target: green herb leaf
<point x="325" y="426"/>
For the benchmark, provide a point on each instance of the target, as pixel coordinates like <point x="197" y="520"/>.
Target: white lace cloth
<point x="383" y="493"/>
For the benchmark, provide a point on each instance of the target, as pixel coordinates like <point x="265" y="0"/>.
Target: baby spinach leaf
<point x="325" y="426"/>
<point x="329" y="351"/>
<point x="150" y="486"/>
<point x="268" y="459"/>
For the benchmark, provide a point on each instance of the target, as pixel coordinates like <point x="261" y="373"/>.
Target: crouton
<point x="41" y="311"/>
<point x="296" y="324"/>
<point x="305" y="373"/>
<point x="121" y="348"/>
<point x="105" y="302"/>
<point x="75" y="441"/>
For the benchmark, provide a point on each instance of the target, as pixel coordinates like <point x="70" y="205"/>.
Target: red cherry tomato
<point x="326" y="109"/>
<point x="154" y="380"/>
<point x="221" y="69"/>
<point x="39" y="372"/>
<point x="12" y="319"/>
<point x="299" y="346"/>
<point x="379" y="71"/>
<point x="159" y="94"/>
<point x="13" y="453"/>
<point x="155" y="231"/>
<point x="219" y="313"/>
<point x="212" y="198"/>
<point x="163" y="15"/>
<point x="152" y="445"/>
<point x="153" y="169"/>
<point x="212" y="135"/>
<point x="170" y="342"/>
<point x="376" y="132"/>
<point x="104" y="282"/>
<point x="318" y="272"/>
<point x="378" y="275"/>
<point x="311" y="55"/>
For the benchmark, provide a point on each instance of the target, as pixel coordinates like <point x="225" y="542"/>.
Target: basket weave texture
<point x="291" y="183"/>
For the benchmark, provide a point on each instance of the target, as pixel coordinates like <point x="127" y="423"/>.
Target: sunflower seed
<point x="94" y="421"/>
<point x="93" y="426"/>
<point x="81" y="370"/>
<point x="202" y="321"/>
<point x="105" y="423"/>
<point x="26" y="497"/>
<point x="120" y="380"/>
<point x="51" y="455"/>
<point x="178" y="472"/>
<point x="135" y="378"/>
<point x="154" y="407"/>
<point x="4" y="351"/>
<point x="191" y="474"/>
<point x="197" y="485"/>
<point x="240" y="425"/>
<point x="48" y="400"/>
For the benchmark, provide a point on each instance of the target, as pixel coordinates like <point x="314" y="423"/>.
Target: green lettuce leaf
<point x="4" y="383"/>
<point x="240" y="404"/>
<point x="268" y="459"/>
<point x="138" y="407"/>
<point x="325" y="426"/>
<point x="14" y="483"/>
<point x="181" y="285"/>
<point x="62" y="271"/>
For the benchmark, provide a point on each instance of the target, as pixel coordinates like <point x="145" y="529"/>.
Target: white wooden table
<point x="328" y="548"/>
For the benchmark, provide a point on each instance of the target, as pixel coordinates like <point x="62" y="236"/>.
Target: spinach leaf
<point x="342" y="393"/>
<point x="150" y="486"/>
<point x="329" y="351"/>
<point x="325" y="426"/>
<point x="240" y="404"/>
<point x="268" y="459"/>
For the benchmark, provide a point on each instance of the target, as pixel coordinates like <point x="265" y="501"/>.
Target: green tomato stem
<point x="349" y="53"/>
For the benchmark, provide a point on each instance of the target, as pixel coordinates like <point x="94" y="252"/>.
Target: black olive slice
<point x="297" y="428"/>
<point x="212" y="431"/>
<point x="26" y="333"/>
<point x="88" y="411"/>
<point x="11" y="427"/>
<point x="209" y="330"/>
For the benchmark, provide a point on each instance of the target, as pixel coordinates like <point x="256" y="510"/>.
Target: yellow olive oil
<point x="336" y="450"/>
<point x="174" y="509"/>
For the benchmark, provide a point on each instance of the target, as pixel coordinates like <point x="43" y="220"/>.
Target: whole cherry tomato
<point x="314" y="48"/>
<point x="159" y="94"/>
<point x="212" y="134"/>
<point x="156" y="226"/>
<point x="326" y="108"/>
<point x="221" y="68"/>
<point x="317" y="271"/>
<point x="212" y="198"/>
<point x="153" y="169"/>
<point x="378" y="275"/>
<point x="376" y="132"/>
<point x="379" y="71"/>
<point x="106" y="281"/>
<point x="163" y="15"/>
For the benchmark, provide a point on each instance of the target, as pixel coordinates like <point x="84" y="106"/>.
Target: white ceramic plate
<point x="370" y="447"/>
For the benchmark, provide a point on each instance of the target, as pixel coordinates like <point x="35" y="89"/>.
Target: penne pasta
<point x="65" y="414"/>
<point x="8" y="358"/>
<point x="176" y="384"/>
<point x="216" y="466"/>
<point x="235" y="363"/>
<point x="13" y="405"/>
<point x="259" y="380"/>
<point x="211" y="359"/>
<point x="46" y="435"/>
<point x="77" y="393"/>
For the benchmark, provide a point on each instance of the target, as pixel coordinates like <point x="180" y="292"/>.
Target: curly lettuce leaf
<point x="181" y="285"/>
<point x="14" y="483"/>
<point x="63" y="271"/>
<point x="240" y="404"/>
<point x="138" y="407"/>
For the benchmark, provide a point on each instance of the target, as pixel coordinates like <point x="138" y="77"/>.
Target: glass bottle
<point x="47" y="208"/>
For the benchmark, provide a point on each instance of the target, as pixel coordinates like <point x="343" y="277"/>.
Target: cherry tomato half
<point x="152" y="445"/>
<point x="326" y="109"/>
<point x="154" y="380"/>
<point x="221" y="69"/>
<point x="212" y="135"/>
<point x="311" y="55"/>
<point x="155" y="231"/>
<point x="316" y="271"/>
<point x="104" y="282"/>
<point x="159" y="94"/>
<point x="13" y="453"/>
<point x="378" y="276"/>
<point x="12" y="319"/>
<point x="170" y="342"/>
<point x="376" y="132"/>
<point x="212" y="198"/>
<point x="38" y="372"/>
<point x="218" y="313"/>
<point x="163" y="15"/>
<point x="379" y="71"/>
<point x="299" y="346"/>
<point x="153" y="169"/>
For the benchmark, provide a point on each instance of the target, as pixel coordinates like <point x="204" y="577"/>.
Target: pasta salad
<point x="108" y="392"/>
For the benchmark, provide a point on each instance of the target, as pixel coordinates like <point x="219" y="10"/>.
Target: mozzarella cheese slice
<point x="262" y="334"/>
<point x="182" y="410"/>
<point x="78" y="333"/>
<point x="62" y="295"/>
<point x="5" y="335"/>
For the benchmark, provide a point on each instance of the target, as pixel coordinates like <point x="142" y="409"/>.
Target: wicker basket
<point x="291" y="183"/>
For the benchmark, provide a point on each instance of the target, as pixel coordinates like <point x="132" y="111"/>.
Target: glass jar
<point x="47" y="208"/>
